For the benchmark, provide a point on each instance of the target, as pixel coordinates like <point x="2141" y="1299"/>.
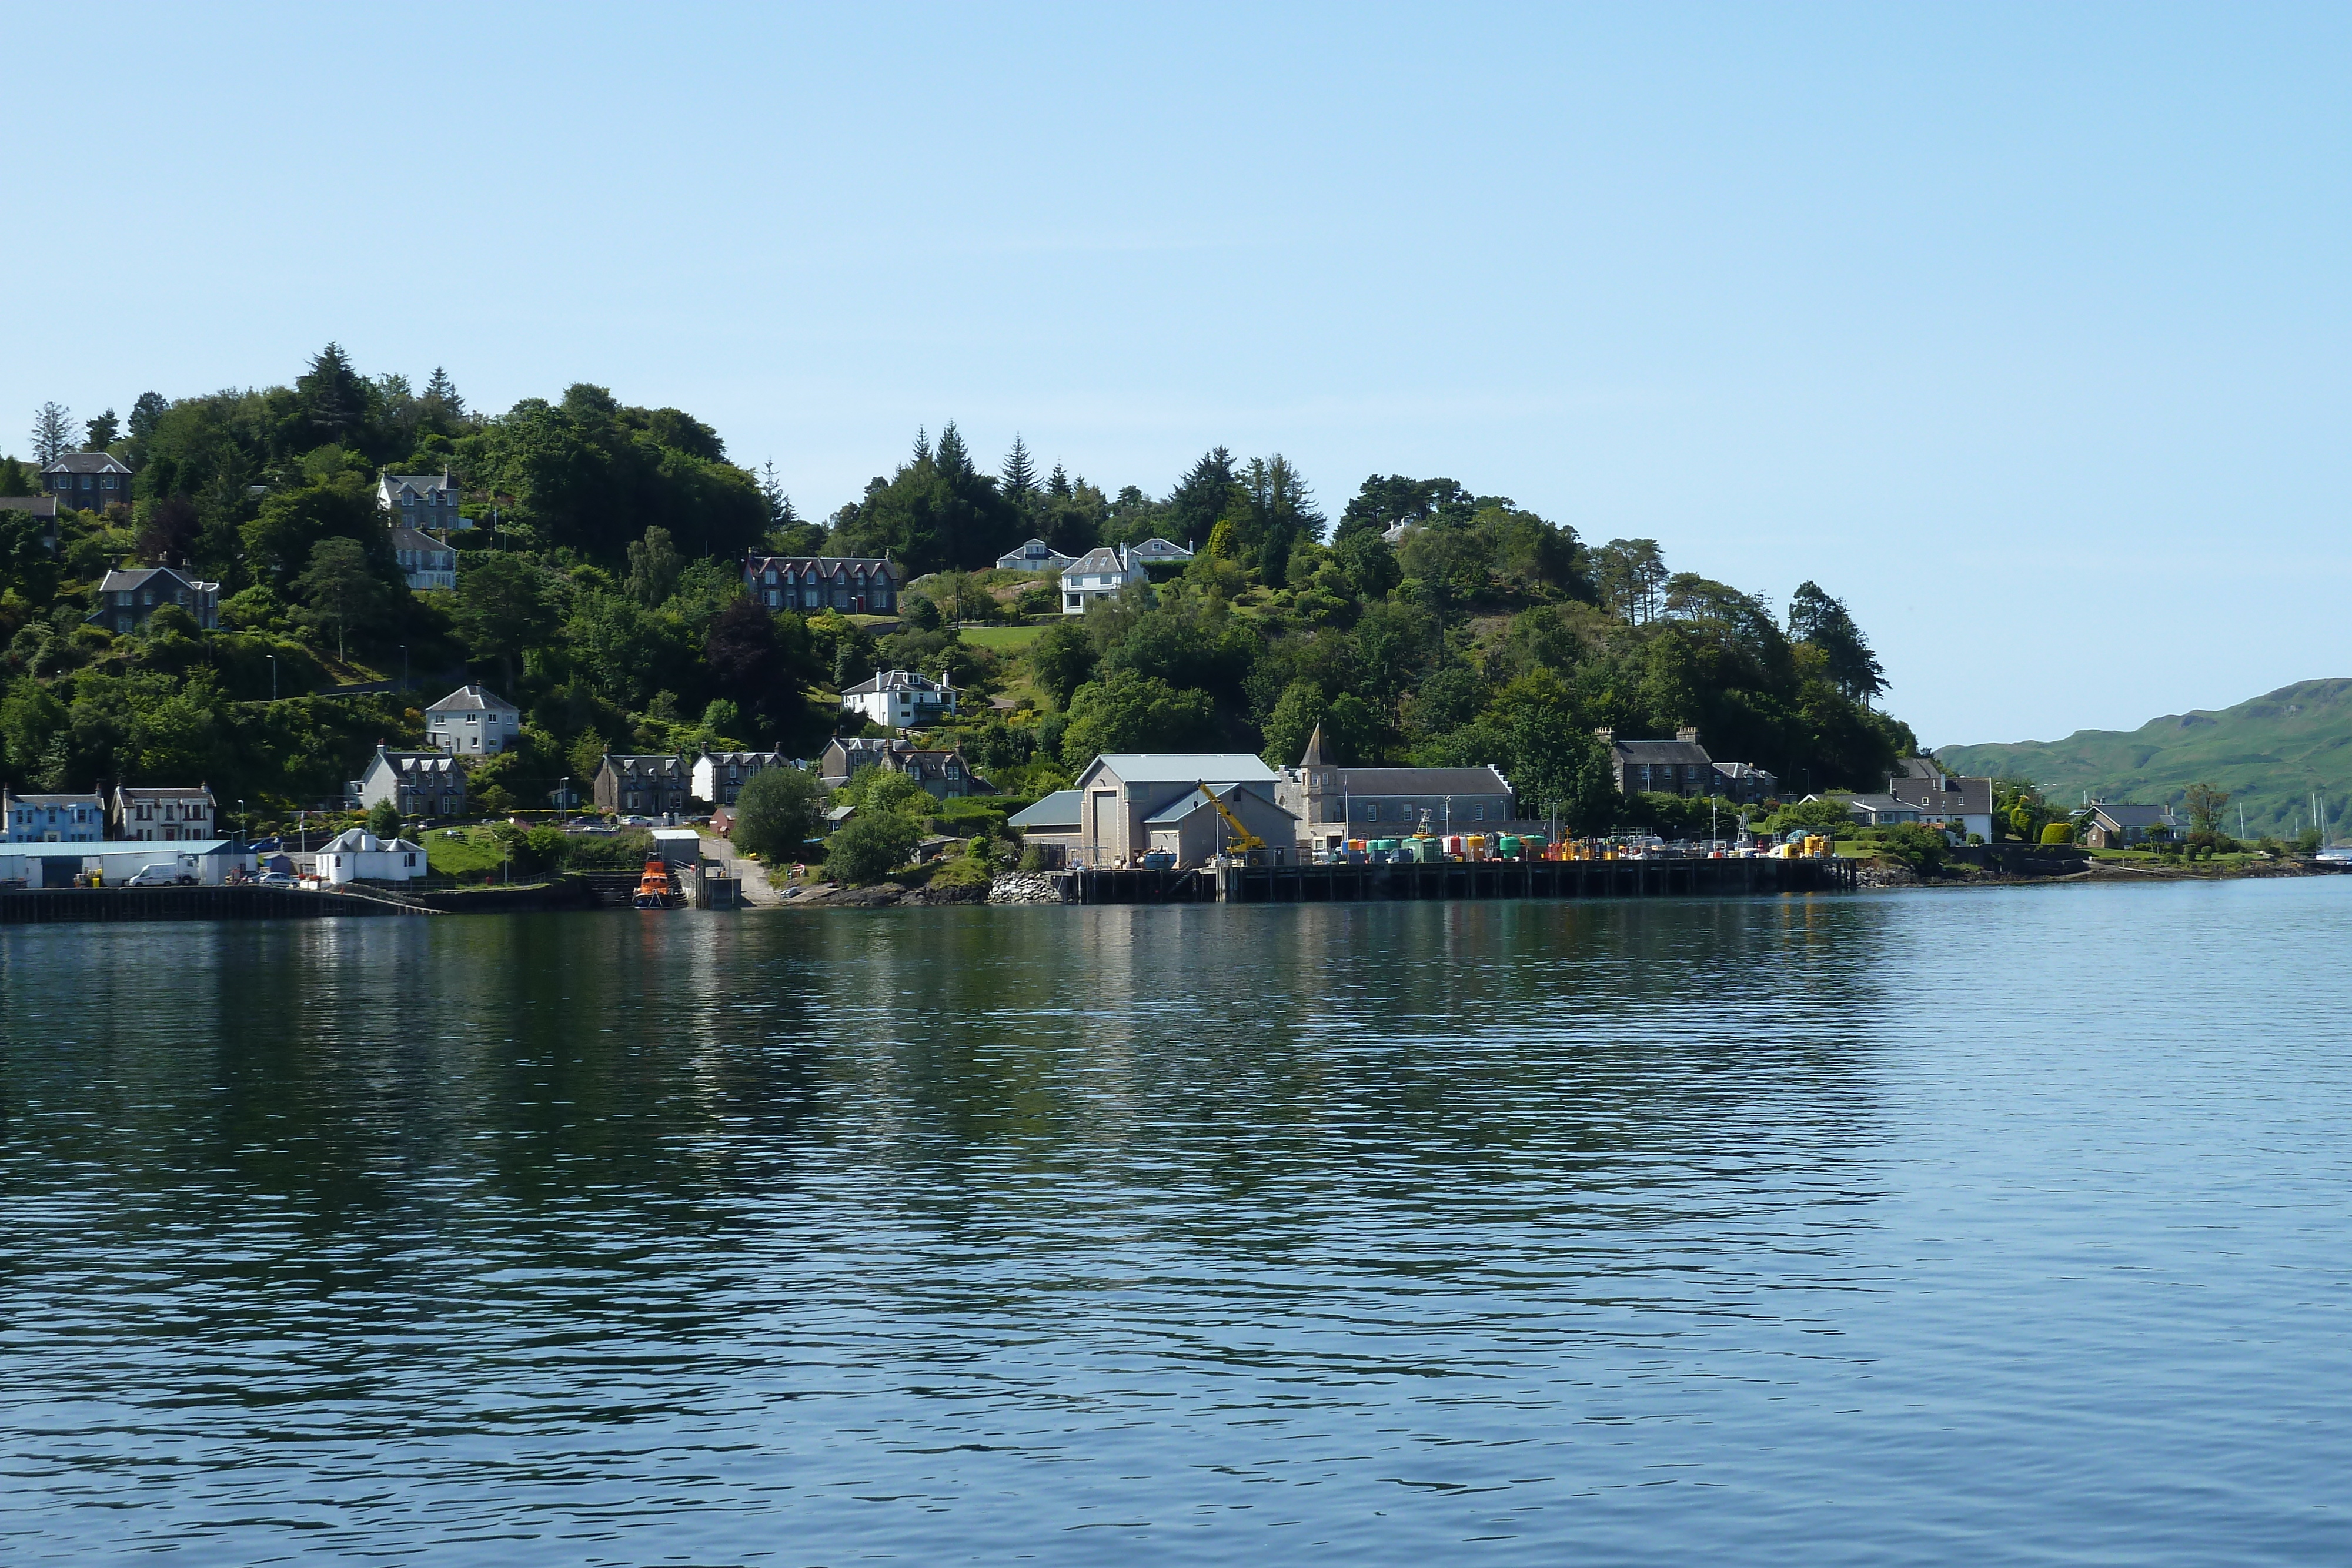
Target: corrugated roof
<point x="1185" y="766"/>
<point x="160" y="849"/>
<point x="1056" y="811"/>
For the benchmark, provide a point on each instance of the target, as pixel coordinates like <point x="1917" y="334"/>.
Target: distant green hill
<point x="2269" y="754"/>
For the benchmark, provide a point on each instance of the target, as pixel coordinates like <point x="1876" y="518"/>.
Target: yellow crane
<point x="1243" y="840"/>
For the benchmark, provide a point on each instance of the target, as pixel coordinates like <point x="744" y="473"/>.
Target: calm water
<point x="1987" y="1227"/>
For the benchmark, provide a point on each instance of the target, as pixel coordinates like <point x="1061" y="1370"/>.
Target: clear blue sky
<point x="2022" y="330"/>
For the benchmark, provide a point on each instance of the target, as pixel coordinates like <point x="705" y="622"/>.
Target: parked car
<point x="161" y="874"/>
<point x="274" y="879"/>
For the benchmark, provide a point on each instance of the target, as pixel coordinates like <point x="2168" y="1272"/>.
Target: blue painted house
<point x="51" y="819"/>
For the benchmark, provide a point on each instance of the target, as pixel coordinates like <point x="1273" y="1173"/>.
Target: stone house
<point x="851" y="585"/>
<point x="1677" y="766"/>
<point x="43" y="511"/>
<point x="419" y="501"/>
<point x="942" y="772"/>
<point x="639" y="785"/>
<point x="126" y="599"/>
<point x="719" y="776"/>
<point x="87" y="481"/>
<point x="164" y="815"/>
<point x="417" y="783"/>
<point x="2119" y="824"/>
<point x="1334" y="804"/>
<point x="473" y="721"/>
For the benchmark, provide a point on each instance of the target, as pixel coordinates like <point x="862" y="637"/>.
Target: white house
<point x="166" y="816"/>
<point x="419" y="501"/>
<point x="1157" y="552"/>
<point x="473" y="721"/>
<point x="900" y="699"/>
<point x="719" y="776"/>
<point x="1102" y="572"/>
<point x="358" y="855"/>
<point x="1035" y="556"/>
<point x="425" y="561"/>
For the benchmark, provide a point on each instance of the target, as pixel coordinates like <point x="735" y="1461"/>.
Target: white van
<point x="163" y="873"/>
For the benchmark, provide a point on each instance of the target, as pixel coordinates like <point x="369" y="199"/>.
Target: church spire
<point x="1313" y="758"/>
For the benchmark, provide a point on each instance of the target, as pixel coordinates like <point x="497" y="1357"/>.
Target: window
<point x="85" y="482"/>
<point x="110" y="481"/>
<point x="1372" y="813"/>
<point x="1478" y="813"/>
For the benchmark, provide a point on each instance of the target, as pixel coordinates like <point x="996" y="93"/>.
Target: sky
<point x="2022" y="330"/>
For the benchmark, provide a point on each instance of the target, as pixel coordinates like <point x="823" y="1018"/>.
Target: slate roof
<point x="473" y="699"/>
<point x="643" y="764"/>
<point x="87" y="463"/>
<point x="142" y="792"/>
<point x="821" y="568"/>
<point x="1418" y="782"/>
<point x="117" y="581"/>
<point x="891" y="681"/>
<point x="1185" y="767"/>
<point x="1157" y="548"/>
<point x="359" y="840"/>
<point x="405" y="538"/>
<point x="38" y="506"/>
<point x="2131" y="813"/>
<point x="1966" y="798"/>
<point x="420" y="483"/>
<point x="1056" y="813"/>
<point x="1099" y="560"/>
<point x="1661" y="753"/>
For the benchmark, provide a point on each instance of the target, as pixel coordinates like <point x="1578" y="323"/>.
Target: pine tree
<point x="1816" y="618"/>
<point x="53" y="433"/>
<point x="951" y="458"/>
<point x="922" y="445"/>
<point x="1020" y="473"/>
<point x="1057" y="484"/>
<point x="333" y="399"/>
<point x="1202" y="496"/>
<point x="145" y="412"/>
<point x="442" y="392"/>
<point x="103" y="432"/>
<point x="13" y="480"/>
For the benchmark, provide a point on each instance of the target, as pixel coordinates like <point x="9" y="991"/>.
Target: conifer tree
<point x="1057" y="484"/>
<point x="949" y="457"/>
<point x="52" y="434"/>
<point x="1020" y="473"/>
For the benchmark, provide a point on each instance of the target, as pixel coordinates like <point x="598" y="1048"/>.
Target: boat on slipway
<point x="655" y="887"/>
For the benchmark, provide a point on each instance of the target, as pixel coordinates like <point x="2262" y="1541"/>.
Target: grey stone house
<point x="636" y="785"/>
<point x="1334" y="804"/>
<point x="87" y="481"/>
<point x="473" y="721"/>
<point x="417" y="783"/>
<point x="127" y="598"/>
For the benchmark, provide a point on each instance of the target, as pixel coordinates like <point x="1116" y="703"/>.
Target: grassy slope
<point x="2268" y="753"/>
<point x="1001" y="639"/>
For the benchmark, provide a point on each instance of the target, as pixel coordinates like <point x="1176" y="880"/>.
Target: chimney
<point x="1687" y="735"/>
<point x="1606" y="736"/>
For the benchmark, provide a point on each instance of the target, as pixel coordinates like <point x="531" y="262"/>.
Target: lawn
<point x="472" y="849"/>
<point x="1001" y="639"/>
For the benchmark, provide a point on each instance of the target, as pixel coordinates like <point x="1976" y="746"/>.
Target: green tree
<point x="53" y="433"/>
<point x="340" y="591"/>
<point x="501" y="609"/>
<point x="866" y="848"/>
<point x="2205" y="803"/>
<point x="1063" y="659"/>
<point x="1815" y="618"/>
<point x="333" y="398"/>
<point x="383" y="820"/>
<point x="1127" y="712"/>
<point x="654" y="567"/>
<point x="1018" y="478"/>
<point x="103" y="431"/>
<point x="14" y="478"/>
<point x="778" y="810"/>
<point x="1292" y="723"/>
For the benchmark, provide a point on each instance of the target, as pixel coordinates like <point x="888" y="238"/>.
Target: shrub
<point x="778" y="810"/>
<point x="383" y="819"/>
<point x="1032" y="859"/>
<point x="865" y="848"/>
<point x="2058" y="833"/>
<point x="1909" y="844"/>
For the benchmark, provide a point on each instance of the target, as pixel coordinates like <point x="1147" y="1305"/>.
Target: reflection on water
<point x="1905" y="1228"/>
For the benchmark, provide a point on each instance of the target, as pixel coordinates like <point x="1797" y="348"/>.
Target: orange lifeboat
<point x="654" y="888"/>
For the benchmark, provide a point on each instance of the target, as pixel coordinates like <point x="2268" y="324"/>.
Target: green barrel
<point x="1510" y="848"/>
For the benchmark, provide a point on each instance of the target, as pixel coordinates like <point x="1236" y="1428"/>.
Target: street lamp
<point x="241" y="824"/>
<point x="273" y="675"/>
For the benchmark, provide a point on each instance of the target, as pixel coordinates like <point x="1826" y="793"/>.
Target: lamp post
<point x="241" y="824"/>
<point x="273" y="675"/>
